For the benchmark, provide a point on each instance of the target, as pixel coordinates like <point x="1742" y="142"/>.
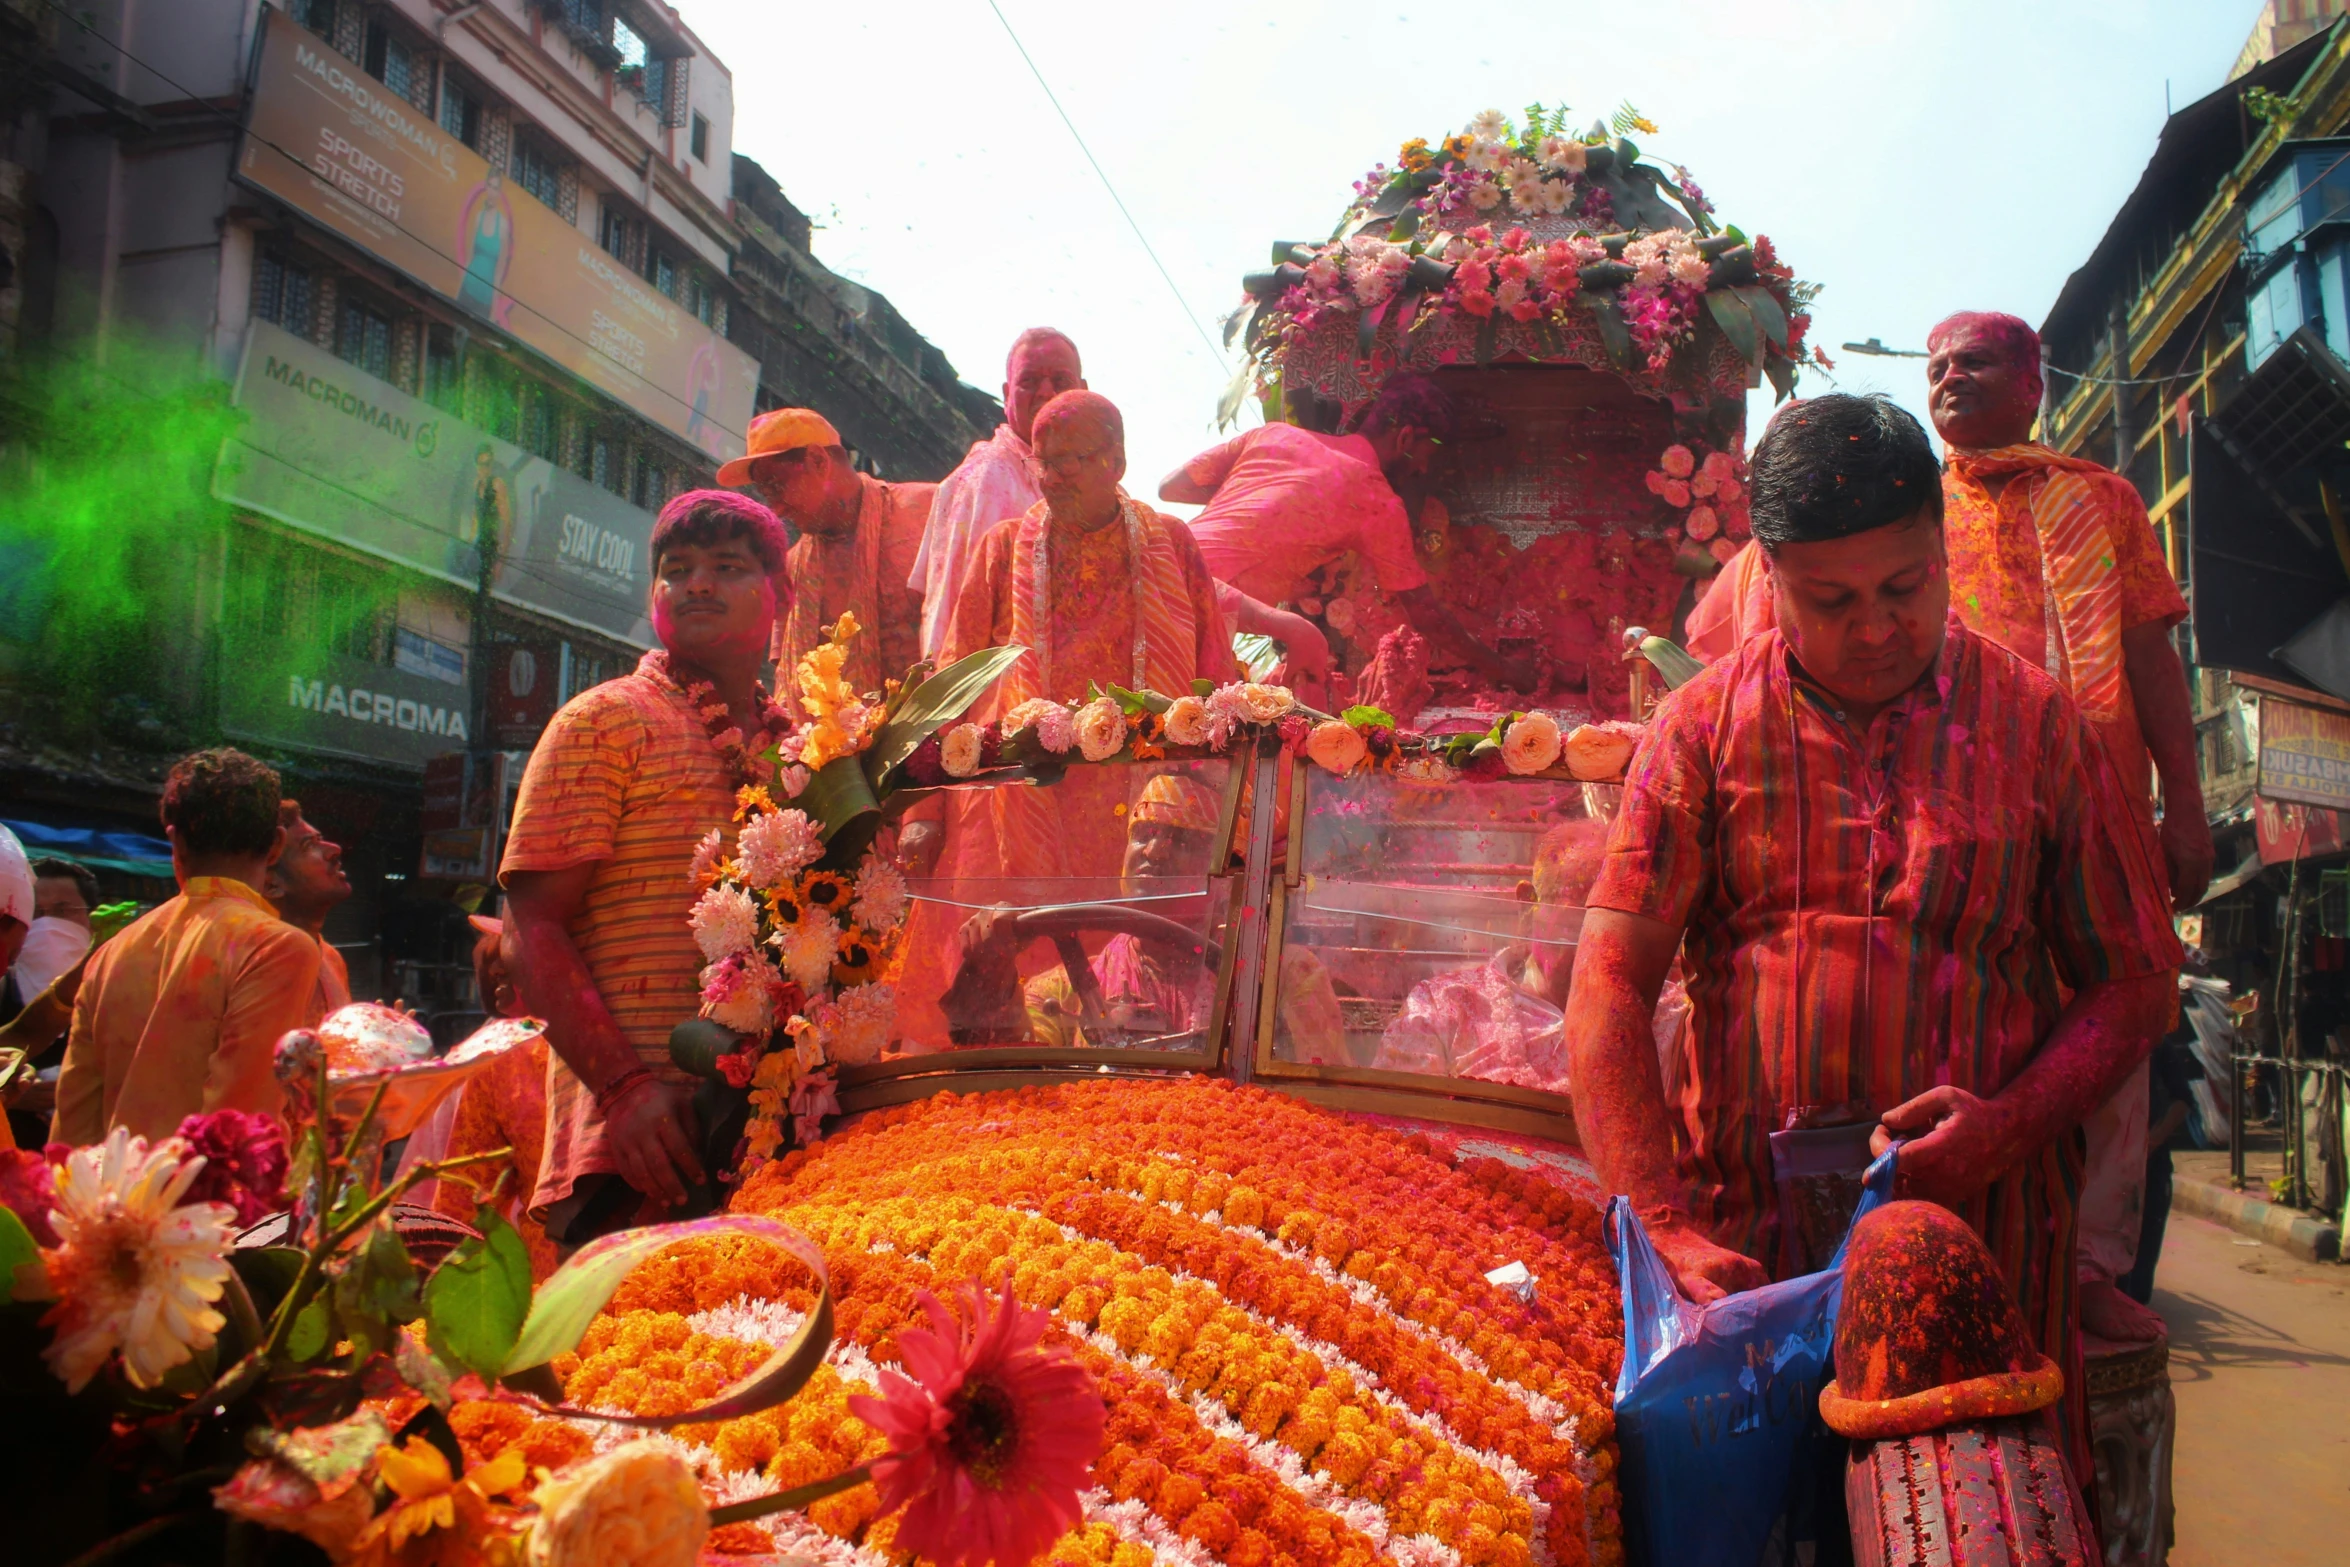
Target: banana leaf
<point x="1406" y="225"/>
<point x="562" y="1308"/>
<point x="930" y="707"/>
<point x="1767" y="311"/>
<point x="1235" y="393"/>
<point x="1237" y="322"/>
<point x="1737" y="323"/>
<point x="1782" y="374"/>
<point x="1677" y="667"/>
<point x="1612" y="331"/>
<point x="1367" y="328"/>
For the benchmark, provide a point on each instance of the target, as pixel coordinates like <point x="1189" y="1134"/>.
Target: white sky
<point x="1914" y="158"/>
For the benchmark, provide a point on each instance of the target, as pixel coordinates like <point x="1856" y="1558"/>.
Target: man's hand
<point x="650" y="1130"/>
<point x="1705" y="1272"/>
<point x="1956" y="1145"/>
<point x="2187" y="855"/>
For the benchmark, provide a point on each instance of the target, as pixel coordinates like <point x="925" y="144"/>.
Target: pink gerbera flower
<point x="991" y="1441"/>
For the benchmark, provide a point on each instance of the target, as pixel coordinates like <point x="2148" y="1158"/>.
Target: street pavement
<point x="2260" y="1365"/>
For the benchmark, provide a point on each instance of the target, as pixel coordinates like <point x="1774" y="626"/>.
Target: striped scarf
<point x="2077" y="566"/>
<point x="1166" y="632"/>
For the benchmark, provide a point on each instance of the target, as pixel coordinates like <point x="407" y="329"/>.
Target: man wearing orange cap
<point x="858" y="541"/>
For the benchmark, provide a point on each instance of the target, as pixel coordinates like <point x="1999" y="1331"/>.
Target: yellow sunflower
<point x="826" y="890"/>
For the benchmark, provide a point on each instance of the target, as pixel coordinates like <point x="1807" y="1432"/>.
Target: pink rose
<point x="1676" y="492"/>
<point x="1702" y="523"/>
<point x="1679" y="461"/>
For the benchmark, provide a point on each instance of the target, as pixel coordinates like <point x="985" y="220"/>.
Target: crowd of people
<point x="1900" y="837"/>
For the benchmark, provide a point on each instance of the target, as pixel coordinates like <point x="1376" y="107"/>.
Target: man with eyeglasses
<point x="859" y="537"/>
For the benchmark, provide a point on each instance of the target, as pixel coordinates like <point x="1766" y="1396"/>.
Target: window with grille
<point x="460" y="112"/>
<point x="390" y="61"/>
<point x="537" y="412"/>
<point x="284" y="294"/>
<point x="264" y="602"/>
<point x="535" y="172"/>
<point x="443" y="385"/>
<point x="700" y="140"/>
<point x="661" y="272"/>
<point x="650" y="489"/>
<point x="492" y="403"/>
<point x="317" y="15"/>
<point x="621" y="236"/>
<point x="364" y="337"/>
<point x="700" y="299"/>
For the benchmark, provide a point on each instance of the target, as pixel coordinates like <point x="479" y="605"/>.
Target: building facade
<point x="436" y="304"/>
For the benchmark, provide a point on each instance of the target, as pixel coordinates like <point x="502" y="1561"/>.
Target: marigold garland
<point x="1287" y="1313"/>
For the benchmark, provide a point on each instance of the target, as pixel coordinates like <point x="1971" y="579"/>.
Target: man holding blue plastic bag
<point x="1885" y="848"/>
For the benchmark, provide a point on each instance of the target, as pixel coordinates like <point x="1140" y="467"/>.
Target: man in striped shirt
<point x="1886" y="848"/>
<point x="621" y="787"/>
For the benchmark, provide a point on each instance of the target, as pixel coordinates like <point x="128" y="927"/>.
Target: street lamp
<point x="1877" y="346"/>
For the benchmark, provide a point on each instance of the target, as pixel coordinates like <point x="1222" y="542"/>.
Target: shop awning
<point x="132" y="853"/>
<point x="2231" y="881"/>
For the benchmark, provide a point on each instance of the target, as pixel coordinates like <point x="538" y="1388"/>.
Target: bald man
<point x="993" y="480"/>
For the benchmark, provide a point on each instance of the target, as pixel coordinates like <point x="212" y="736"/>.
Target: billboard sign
<point x="326" y="701"/>
<point x="337" y="145"/>
<point x="330" y="449"/>
<point x="2304" y="754"/>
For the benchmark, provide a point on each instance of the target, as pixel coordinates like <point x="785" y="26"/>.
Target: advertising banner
<point x="332" y="450"/>
<point x="2304" y="754"/>
<point x="328" y="702"/>
<point x="339" y="146"/>
<point x="523" y="676"/>
<point x="2284" y="832"/>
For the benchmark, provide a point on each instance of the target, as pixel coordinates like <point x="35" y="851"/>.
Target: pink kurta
<point x="1288" y="501"/>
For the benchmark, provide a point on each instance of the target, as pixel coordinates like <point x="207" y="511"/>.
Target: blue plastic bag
<point x="1726" y="1462"/>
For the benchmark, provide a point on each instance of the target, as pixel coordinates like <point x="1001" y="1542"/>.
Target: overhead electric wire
<point x="1214" y="352"/>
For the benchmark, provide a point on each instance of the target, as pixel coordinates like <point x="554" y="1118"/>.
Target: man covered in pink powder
<point x="997" y="480"/>
<point x="1281" y="502"/>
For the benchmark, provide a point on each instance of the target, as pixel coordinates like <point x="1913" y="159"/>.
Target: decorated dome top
<point x="1535" y="242"/>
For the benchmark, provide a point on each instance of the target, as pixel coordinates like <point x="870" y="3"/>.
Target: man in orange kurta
<point x="181" y="1013"/>
<point x="858" y="540"/>
<point x="1100" y="589"/>
<point x="2053" y="558"/>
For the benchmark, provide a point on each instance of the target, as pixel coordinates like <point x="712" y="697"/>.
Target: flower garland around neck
<point x="1041" y="589"/>
<point x="740" y="757"/>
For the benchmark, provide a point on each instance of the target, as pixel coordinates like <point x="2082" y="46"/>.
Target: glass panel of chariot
<point x="1087" y="913"/>
<point x="1434" y="926"/>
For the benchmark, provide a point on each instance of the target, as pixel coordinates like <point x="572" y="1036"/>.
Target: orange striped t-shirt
<point x="626" y="779"/>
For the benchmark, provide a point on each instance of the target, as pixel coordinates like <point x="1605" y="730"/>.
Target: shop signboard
<point x="2283" y="831"/>
<point x="523" y="676"/>
<point x="336" y="145"/>
<point x="2304" y="754"/>
<point x="330" y="449"/>
<point x="319" y="700"/>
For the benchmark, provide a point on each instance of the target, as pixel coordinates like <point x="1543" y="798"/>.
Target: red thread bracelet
<point x="610" y="1092"/>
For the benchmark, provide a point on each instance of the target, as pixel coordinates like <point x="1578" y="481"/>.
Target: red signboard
<point x="522" y="693"/>
<point x="2286" y="831"/>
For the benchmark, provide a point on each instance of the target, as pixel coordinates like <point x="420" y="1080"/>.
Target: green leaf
<point x="309" y="1336"/>
<point x="1362" y="715"/>
<point x="837" y="795"/>
<point x="1366" y="332"/>
<point x="1612" y="332"/>
<point x="476" y="1299"/>
<point x="17" y="1247"/>
<point x="1203" y="689"/>
<point x="1487" y="335"/>
<point x="324" y="1454"/>
<point x="1736" y="322"/>
<point x="932" y="705"/>
<point x="268" y="1272"/>
<point x="1677" y="667"/>
<point x="1767" y="311"/>
<point x="1406" y="225"/>
<point x="1782" y="374"/>
<point x="424" y="1371"/>
<point x="570" y="1300"/>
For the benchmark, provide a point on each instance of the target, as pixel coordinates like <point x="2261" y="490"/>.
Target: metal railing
<point x="2313" y="1117"/>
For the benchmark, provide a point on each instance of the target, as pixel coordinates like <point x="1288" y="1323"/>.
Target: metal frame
<point x="1242" y="1016"/>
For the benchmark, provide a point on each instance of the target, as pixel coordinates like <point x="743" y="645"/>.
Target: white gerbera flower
<point x="1556" y="196"/>
<point x="773" y="844"/>
<point x="881" y="895"/>
<point x="1489" y="157"/>
<point x="809" y="948"/>
<point x="1492" y="125"/>
<point x="134" y="1271"/>
<point x="1485" y="196"/>
<point x="724" y="920"/>
<point x="1564" y="153"/>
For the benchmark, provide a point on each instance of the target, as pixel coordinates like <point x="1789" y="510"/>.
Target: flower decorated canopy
<point x="1528" y="241"/>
